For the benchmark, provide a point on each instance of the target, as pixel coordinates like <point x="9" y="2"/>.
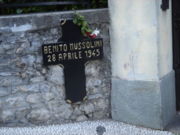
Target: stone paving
<point x="102" y="127"/>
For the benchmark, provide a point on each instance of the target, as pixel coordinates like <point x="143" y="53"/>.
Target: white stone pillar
<point x="143" y="89"/>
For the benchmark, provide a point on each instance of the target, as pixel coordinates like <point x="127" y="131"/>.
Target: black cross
<point x="72" y="51"/>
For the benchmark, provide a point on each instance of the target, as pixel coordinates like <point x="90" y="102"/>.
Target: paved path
<point x="103" y="127"/>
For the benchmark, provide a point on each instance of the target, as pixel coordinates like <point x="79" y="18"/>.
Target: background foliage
<point x="5" y="11"/>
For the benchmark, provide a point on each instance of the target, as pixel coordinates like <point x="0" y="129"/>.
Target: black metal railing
<point x="26" y="6"/>
<point x="53" y="3"/>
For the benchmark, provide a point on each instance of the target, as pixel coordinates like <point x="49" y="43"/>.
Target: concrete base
<point x="144" y="103"/>
<point x="174" y="126"/>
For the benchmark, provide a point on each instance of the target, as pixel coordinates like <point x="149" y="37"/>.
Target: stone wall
<point x="31" y="94"/>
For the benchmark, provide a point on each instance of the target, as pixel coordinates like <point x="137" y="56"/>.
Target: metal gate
<point x="176" y="47"/>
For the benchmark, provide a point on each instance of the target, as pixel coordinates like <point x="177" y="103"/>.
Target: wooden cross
<point x="72" y="51"/>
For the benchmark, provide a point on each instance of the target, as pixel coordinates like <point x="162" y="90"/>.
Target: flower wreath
<point x="84" y="26"/>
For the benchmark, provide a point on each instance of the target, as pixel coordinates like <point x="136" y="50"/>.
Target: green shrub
<point x="5" y="11"/>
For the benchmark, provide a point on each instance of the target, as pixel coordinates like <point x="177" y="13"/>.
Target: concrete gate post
<point x="143" y="82"/>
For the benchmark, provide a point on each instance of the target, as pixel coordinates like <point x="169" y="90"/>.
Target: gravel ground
<point x="103" y="127"/>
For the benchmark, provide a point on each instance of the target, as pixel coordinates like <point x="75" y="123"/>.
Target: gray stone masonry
<point x="31" y="94"/>
<point x="144" y="103"/>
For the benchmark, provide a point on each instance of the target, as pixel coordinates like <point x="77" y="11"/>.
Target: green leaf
<point x="78" y="23"/>
<point x="19" y="11"/>
<point x="82" y="28"/>
<point x="75" y="21"/>
<point x="88" y="30"/>
<point x="84" y="23"/>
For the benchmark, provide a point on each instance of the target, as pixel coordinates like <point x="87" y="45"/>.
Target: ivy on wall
<point x="4" y="11"/>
